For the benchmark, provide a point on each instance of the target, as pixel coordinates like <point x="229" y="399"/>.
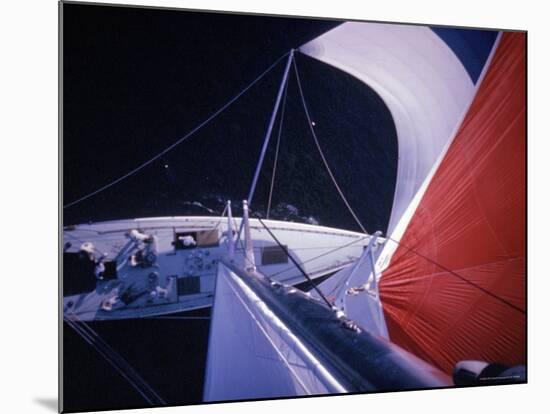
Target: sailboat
<point x="437" y="301"/>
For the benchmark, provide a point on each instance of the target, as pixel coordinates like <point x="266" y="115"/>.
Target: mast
<point x="270" y="127"/>
<point x="267" y="137"/>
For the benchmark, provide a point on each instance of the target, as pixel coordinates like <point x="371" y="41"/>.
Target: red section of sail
<point x="461" y="293"/>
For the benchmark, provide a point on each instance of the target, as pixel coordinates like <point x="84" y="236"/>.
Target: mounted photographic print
<point x="263" y="207"/>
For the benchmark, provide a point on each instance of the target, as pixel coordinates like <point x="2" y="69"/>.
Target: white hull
<point x="185" y="276"/>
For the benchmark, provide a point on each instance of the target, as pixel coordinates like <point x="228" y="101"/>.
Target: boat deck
<point x="148" y="269"/>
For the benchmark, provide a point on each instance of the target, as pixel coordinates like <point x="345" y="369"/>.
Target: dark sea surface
<point x="135" y="80"/>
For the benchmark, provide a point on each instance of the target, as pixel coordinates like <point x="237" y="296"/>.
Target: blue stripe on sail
<point x="471" y="46"/>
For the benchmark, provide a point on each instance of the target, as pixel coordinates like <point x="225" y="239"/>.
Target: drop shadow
<point x="49" y="403"/>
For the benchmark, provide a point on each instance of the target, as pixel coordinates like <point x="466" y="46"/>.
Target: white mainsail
<point x="269" y="340"/>
<point x="253" y="354"/>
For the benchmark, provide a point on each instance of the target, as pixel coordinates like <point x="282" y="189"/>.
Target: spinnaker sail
<point x="455" y="287"/>
<point x="422" y="82"/>
<point x="452" y="269"/>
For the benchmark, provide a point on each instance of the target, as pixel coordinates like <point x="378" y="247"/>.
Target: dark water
<point x="137" y="80"/>
<point x="169" y="354"/>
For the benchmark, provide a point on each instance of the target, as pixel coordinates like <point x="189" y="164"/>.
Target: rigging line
<point x="96" y="338"/>
<point x="117" y="362"/>
<point x="270" y="127"/>
<point x="502" y="300"/>
<point x="323" y="254"/>
<point x="221" y="218"/>
<point x="452" y="272"/>
<point x="321" y="151"/>
<point x="268" y="133"/>
<point x="179" y="141"/>
<point x="277" y="151"/>
<point x="88" y="339"/>
<point x="123" y="364"/>
<point x="302" y="271"/>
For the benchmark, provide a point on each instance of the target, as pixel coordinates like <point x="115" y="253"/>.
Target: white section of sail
<point x="422" y="82"/>
<point x="252" y="354"/>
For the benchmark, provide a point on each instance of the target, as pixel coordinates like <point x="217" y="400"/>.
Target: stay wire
<point x="119" y="363"/>
<point x="452" y="272"/>
<point x="124" y="365"/>
<point x="482" y="289"/>
<point x="90" y="342"/>
<point x="325" y="162"/>
<point x="179" y="141"/>
<point x="283" y="247"/>
<point x="277" y="151"/>
<point x="324" y="254"/>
